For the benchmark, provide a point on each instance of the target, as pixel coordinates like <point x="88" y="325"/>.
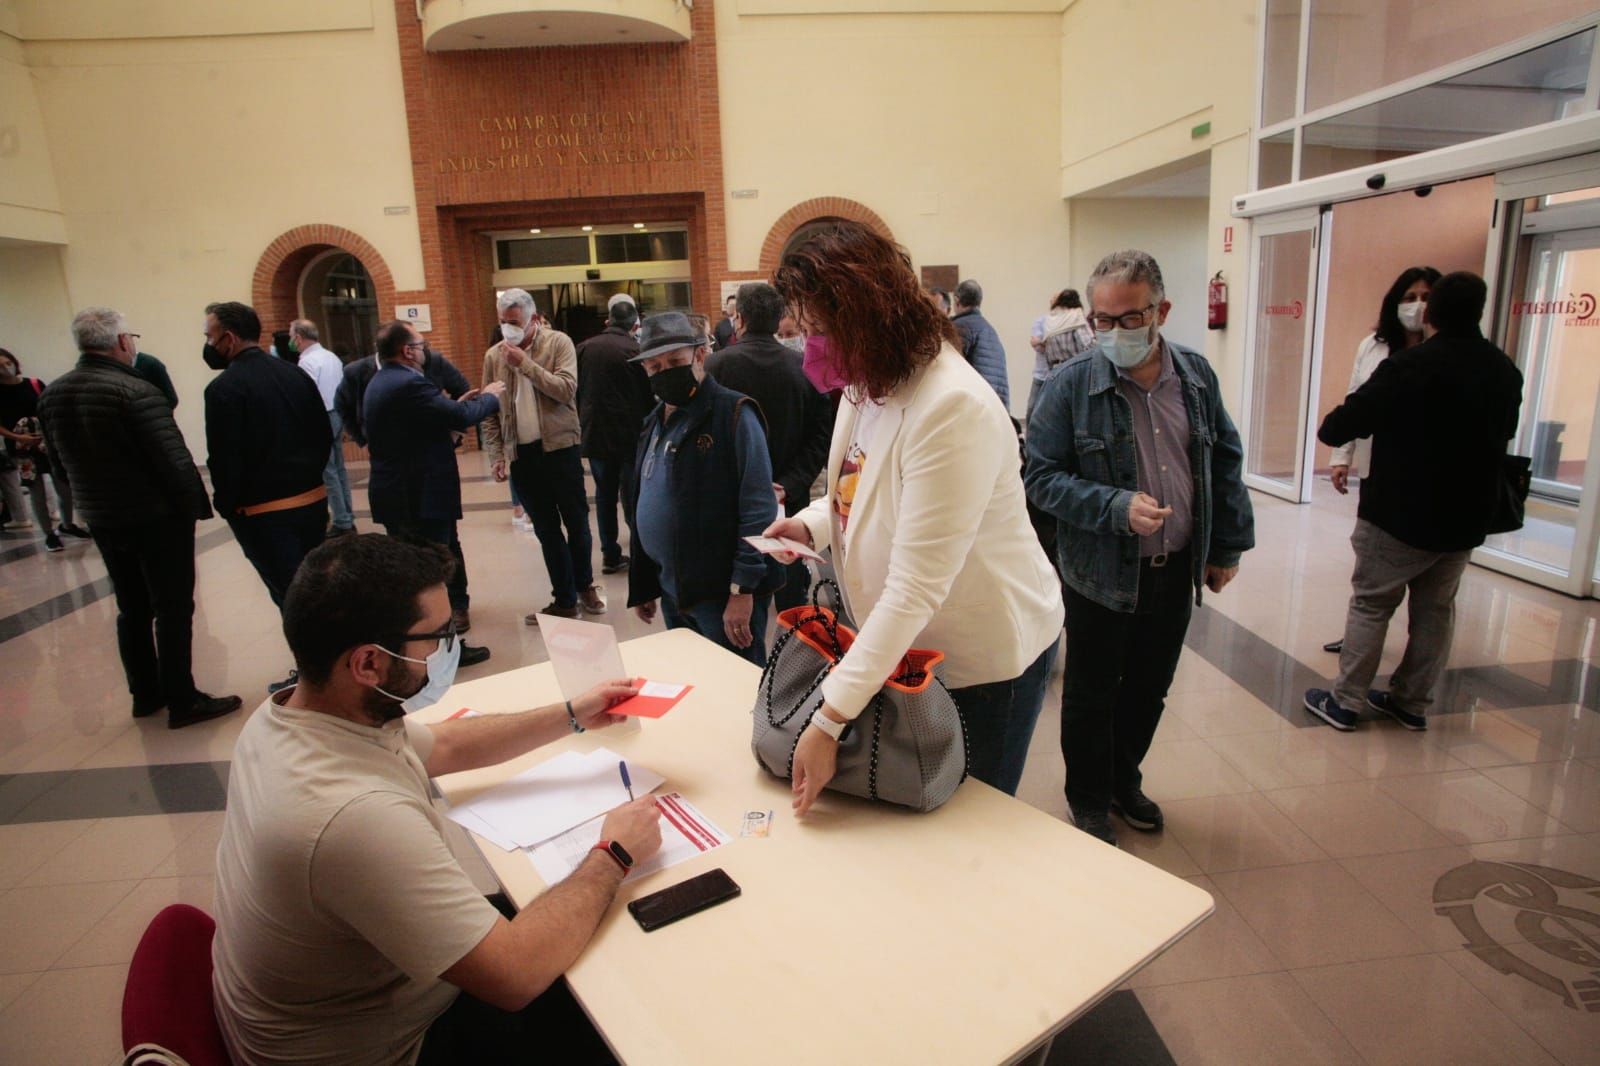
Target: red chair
<point x="167" y="1001"/>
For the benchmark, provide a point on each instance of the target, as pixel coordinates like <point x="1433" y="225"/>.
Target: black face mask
<point x="675" y="385"/>
<point x="214" y="359"/>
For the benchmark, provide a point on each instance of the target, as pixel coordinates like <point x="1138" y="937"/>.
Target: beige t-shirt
<point x="338" y="901"/>
<point x="527" y="401"/>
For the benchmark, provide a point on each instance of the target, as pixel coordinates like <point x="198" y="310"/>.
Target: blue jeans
<point x="1000" y="717"/>
<point x="337" y="481"/>
<point x="706" y="619"/>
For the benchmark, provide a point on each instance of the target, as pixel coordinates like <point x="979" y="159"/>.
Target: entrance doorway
<point x="337" y="293"/>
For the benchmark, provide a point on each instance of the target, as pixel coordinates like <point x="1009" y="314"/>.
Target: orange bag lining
<point x="811" y="629"/>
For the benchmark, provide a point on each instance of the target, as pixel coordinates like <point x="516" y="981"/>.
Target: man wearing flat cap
<point x="702" y="481"/>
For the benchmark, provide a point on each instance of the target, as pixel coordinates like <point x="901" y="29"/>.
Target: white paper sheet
<point x="554" y="796"/>
<point x="685" y="833"/>
<point x="662" y="690"/>
<point x="583" y="653"/>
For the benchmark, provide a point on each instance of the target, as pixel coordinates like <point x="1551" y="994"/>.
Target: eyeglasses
<point x="448" y="634"/>
<point x="416" y="346"/>
<point x="1131" y="320"/>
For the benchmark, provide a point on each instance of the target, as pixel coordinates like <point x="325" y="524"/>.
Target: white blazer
<point x="1357" y="455"/>
<point x="940" y="550"/>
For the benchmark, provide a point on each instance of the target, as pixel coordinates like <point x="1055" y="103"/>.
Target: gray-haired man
<point x="1131" y="451"/>
<point x="535" y="441"/>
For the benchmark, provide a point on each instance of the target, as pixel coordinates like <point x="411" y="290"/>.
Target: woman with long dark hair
<point x="924" y="512"/>
<point x="1399" y="327"/>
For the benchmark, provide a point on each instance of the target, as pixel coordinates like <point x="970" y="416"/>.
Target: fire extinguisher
<point x="1217" y="303"/>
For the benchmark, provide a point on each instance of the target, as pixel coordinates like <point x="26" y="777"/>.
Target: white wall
<point x="1172" y="230"/>
<point x="35" y="314"/>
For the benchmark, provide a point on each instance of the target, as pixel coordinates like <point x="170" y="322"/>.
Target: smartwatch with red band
<point x="617" y="853"/>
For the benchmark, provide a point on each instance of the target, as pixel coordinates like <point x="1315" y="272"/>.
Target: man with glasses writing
<point x="1131" y="451"/>
<point x="346" y="931"/>
<point x="415" y="489"/>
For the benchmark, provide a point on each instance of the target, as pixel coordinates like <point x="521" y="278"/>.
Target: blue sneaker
<point x="1383" y="703"/>
<point x="1320" y="702"/>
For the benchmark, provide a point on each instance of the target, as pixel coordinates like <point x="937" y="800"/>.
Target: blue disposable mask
<point x="1126" y="348"/>
<point x="441" y="675"/>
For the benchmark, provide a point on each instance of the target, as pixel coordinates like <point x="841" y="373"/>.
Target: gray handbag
<point x="907" y="747"/>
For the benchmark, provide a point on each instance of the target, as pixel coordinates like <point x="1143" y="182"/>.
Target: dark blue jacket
<point x="981" y="345"/>
<point x="408" y="425"/>
<point x="704" y="477"/>
<point x="1083" y="469"/>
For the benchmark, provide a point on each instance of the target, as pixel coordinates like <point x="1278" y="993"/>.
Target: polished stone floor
<point x="1381" y="896"/>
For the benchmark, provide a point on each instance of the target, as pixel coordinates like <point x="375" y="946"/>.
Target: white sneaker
<point x="19" y="523"/>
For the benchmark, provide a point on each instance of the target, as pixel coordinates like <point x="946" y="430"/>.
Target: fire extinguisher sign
<point x="1227" y="238"/>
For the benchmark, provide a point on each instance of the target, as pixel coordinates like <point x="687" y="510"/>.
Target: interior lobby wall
<point x="1172" y="229"/>
<point x="30" y="203"/>
<point x="35" y="313"/>
<point x="947" y="127"/>
<point x="179" y="160"/>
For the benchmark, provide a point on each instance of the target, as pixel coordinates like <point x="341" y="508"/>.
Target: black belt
<point x="1163" y="559"/>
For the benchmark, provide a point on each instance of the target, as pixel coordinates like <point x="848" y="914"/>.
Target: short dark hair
<point x="623" y="314"/>
<point x="350" y="591"/>
<point x="969" y="294"/>
<point x="761" y="306"/>
<point x="5" y="353"/>
<point x="731" y="296"/>
<point x="392" y="340"/>
<point x="1067" y="298"/>
<point x="238" y="319"/>
<point x="1457" y="302"/>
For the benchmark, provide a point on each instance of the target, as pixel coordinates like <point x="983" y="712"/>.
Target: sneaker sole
<point x="594" y="610"/>
<point x="1423" y="728"/>
<point x="1340" y="726"/>
<point x="53" y="548"/>
<point x="1137" y="823"/>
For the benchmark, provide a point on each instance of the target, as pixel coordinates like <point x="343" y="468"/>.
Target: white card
<point x="662" y="690"/>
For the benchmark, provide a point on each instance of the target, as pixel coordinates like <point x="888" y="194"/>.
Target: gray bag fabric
<point x="907" y="747"/>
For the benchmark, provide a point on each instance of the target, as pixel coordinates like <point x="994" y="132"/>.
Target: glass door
<point x="1547" y="320"/>
<point x="1280" y="354"/>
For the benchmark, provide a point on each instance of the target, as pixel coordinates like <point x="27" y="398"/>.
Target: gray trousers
<point x="1386" y="568"/>
<point x="14" y="490"/>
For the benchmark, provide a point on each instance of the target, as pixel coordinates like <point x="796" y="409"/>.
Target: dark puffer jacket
<point x="125" y="456"/>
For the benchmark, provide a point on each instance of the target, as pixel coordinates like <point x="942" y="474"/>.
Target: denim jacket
<point x="1082" y="470"/>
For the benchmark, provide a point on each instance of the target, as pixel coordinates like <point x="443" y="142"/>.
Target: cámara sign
<point x="1577" y="309"/>
<point x="577" y="138"/>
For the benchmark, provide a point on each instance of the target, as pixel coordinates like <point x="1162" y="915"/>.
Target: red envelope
<point x="652" y="706"/>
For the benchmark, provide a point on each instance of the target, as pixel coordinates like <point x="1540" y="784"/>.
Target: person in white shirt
<point x="924" y="511"/>
<point x="327" y="370"/>
<point x="1399" y="327"/>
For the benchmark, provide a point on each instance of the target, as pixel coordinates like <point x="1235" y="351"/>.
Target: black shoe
<point x="72" y="529"/>
<point x="52" y="543"/>
<point x="1139" y="811"/>
<point x="617" y="567"/>
<point x="145" y="708"/>
<point x="1334" y="647"/>
<point x="472" y="656"/>
<point x="338" y="531"/>
<point x="1096" y="823"/>
<point x="203" y="709"/>
<point x="289" y="682"/>
<point x="550" y="608"/>
<point x="1383" y="703"/>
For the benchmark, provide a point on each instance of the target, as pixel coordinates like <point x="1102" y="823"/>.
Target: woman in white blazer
<point x="925" y="511"/>
<point x="1399" y="327"/>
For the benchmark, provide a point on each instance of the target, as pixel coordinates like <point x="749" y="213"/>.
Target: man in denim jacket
<point x="1131" y="451"/>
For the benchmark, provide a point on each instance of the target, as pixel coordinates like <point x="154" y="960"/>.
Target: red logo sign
<point x="1295" y="310"/>
<point x="1577" y="308"/>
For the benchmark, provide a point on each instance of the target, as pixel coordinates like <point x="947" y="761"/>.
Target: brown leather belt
<point x="288" y="503"/>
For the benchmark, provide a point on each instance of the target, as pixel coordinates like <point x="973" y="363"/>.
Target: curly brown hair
<point x="858" y="287"/>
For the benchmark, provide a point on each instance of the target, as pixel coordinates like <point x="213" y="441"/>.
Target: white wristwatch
<point x="828" y="725"/>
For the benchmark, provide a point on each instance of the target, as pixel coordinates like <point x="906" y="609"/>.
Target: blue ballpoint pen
<point x="622" y="768"/>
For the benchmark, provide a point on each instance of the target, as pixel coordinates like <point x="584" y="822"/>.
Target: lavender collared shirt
<point x="1161" y="442"/>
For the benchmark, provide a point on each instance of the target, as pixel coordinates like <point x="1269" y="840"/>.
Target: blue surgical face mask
<point x="1127" y="348"/>
<point x="441" y="675"/>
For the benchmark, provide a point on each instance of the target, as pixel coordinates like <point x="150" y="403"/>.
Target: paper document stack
<point x="551" y="798"/>
<point x="685" y="833"/>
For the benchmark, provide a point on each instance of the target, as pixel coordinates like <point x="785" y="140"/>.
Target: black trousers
<point x="1119" y="667"/>
<point x="277" y="541"/>
<point x="550" y="486"/>
<point x="152" y="575"/>
<point x="441" y="531"/>
<point x="610" y="475"/>
<point x="553" y="1028"/>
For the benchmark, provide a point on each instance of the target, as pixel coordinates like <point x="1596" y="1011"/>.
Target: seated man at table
<point x="346" y="931"/>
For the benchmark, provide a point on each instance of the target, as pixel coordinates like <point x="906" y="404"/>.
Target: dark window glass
<point x="543" y="252"/>
<point x="641" y="247"/>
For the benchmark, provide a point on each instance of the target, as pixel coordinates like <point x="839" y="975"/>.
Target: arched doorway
<point x="803" y="219"/>
<point x="337" y="293"/>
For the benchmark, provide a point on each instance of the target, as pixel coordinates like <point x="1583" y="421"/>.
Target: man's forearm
<point x="555" y="928"/>
<point x="473" y="743"/>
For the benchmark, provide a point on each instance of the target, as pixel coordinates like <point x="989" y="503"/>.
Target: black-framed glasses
<point x="1131" y="320"/>
<point x="448" y="634"/>
<point x="416" y="345"/>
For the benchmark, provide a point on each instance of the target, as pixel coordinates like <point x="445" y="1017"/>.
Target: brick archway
<point x="809" y="211"/>
<point x="274" y="290"/>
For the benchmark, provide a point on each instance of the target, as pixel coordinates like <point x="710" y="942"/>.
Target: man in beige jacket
<point x="535" y="441"/>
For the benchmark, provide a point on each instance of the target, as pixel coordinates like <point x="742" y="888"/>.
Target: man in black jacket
<point x="358" y="374"/>
<point x="267" y="439"/>
<point x="613" y="400"/>
<point x="135" y="483"/>
<point x="1439" y="414"/>
<point x="799" y="418"/>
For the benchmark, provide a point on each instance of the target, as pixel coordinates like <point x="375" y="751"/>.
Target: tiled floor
<point x="1368" y="905"/>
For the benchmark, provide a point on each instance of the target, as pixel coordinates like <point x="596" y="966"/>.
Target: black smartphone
<point x="683" y="899"/>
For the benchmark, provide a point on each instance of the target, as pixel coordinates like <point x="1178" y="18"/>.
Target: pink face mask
<point x="821" y="364"/>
